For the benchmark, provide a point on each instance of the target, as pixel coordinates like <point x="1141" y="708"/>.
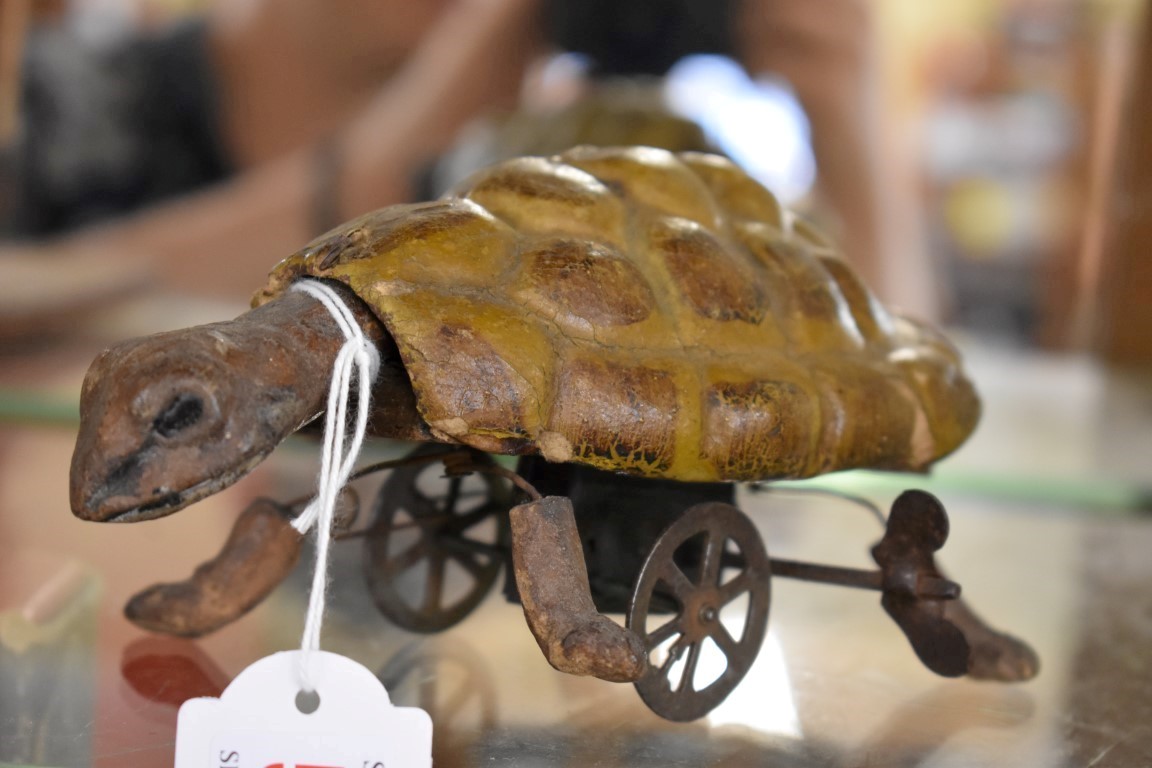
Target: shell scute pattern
<point x="650" y="178"/>
<point x="746" y="433"/>
<point x="644" y="312"/>
<point x="583" y="285"/>
<point x="595" y="395"/>
<point x="538" y="196"/>
<point x="477" y="367"/>
<point x="711" y="279"/>
<point x="808" y="302"/>
<point x="740" y="196"/>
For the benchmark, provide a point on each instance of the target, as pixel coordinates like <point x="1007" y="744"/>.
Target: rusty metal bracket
<point x="913" y="589"/>
<point x="943" y="631"/>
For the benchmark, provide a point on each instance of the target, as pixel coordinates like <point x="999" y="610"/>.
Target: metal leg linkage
<point x="946" y="635"/>
<point x="703" y="587"/>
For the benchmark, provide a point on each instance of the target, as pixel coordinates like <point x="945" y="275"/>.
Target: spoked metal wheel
<point x="711" y="565"/>
<point x="437" y="542"/>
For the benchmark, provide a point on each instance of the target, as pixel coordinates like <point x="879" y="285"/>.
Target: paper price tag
<point x="256" y="723"/>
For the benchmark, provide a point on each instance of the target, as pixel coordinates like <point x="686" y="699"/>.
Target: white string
<point x="359" y="356"/>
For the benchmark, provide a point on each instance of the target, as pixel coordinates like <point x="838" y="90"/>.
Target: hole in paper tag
<point x="307" y="702"/>
<point x="264" y="720"/>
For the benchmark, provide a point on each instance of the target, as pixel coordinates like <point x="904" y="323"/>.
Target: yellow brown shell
<point x="647" y="312"/>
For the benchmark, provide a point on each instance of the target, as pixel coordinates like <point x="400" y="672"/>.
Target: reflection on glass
<point x="764" y="700"/>
<point x="47" y="637"/>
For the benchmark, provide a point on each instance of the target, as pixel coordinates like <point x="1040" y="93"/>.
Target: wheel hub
<point x="701" y="614"/>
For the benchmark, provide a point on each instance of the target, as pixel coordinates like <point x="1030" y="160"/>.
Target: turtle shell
<point x="646" y="312"/>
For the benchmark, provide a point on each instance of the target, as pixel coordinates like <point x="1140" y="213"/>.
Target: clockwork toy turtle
<point x="644" y="329"/>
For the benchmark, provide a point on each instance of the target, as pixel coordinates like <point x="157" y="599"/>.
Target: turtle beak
<point x="105" y="491"/>
<point x="170" y="419"/>
<point x="116" y="490"/>
<point x="152" y="481"/>
<point x="147" y="444"/>
<point x="110" y="502"/>
<point x="116" y="482"/>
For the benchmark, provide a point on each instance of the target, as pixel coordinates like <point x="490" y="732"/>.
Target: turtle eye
<point x="182" y="412"/>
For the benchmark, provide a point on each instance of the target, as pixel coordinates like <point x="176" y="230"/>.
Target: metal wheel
<point x="712" y="564"/>
<point x="437" y="542"/>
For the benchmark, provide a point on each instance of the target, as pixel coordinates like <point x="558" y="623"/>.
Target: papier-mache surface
<point x="256" y="723"/>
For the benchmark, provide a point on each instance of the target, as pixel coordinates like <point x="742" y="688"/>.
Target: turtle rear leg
<point x="945" y="632"/>
<point x="548" y="562"/>
<point x="993" y="655"/>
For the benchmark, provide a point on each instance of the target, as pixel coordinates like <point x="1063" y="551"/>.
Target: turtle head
<point x="167" y="420"/>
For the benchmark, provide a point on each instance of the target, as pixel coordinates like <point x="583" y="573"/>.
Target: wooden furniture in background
<point x="1123" y="312"/>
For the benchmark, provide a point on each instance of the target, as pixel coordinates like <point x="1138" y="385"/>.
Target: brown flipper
<point x="946" y="634"/>
<point x="993" y="655"/>
<point x="553" y="582"/>
<point x="259" y="554"/>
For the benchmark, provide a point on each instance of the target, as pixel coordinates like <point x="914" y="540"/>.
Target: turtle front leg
<point x="552" y="577"/>
<point x="259" y="554"/>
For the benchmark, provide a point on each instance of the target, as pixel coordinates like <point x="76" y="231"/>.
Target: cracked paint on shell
<point x="646" y="312"/>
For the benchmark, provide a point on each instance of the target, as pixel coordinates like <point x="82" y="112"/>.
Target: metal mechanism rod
<point x="828" y="574"/>
<point x="924" y="587"/>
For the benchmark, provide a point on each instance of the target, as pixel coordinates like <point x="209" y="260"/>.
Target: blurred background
<point x="966" y="153"/>
<point x="985" y="164"/>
